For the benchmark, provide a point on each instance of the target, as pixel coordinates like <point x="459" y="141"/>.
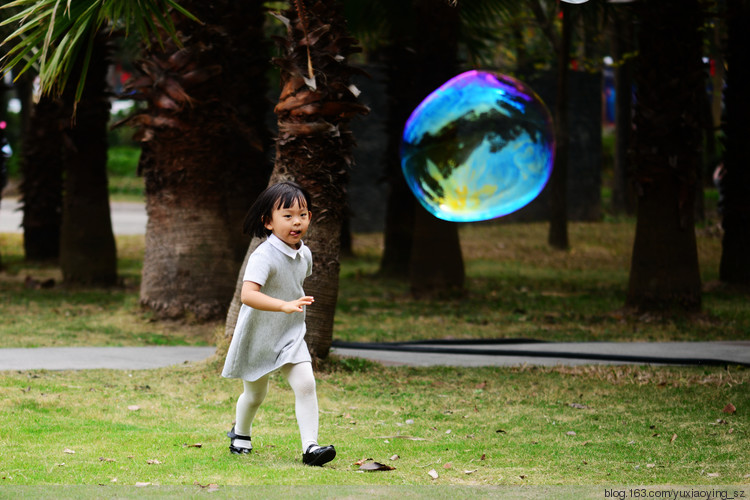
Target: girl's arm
<point x="253" y="297"/>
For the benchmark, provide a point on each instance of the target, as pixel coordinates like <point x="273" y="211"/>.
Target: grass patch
<point x="474" y="427"/>
<point x="60" y="316"/>
<point x="484" y="431"/>
<point x="517" y="286"/>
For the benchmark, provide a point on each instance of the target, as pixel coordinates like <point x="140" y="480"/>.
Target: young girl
<point x="270" y="331"/>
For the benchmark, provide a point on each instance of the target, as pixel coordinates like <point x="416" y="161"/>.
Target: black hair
<point x="281" y="195"/>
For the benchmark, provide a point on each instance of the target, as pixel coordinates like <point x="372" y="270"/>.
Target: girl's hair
<point x="281" y="195"/>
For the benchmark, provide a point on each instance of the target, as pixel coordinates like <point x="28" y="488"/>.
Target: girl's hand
<point x="296" y="305"/>
<point x="253" y="297"/>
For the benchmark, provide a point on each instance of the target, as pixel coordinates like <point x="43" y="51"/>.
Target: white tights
<point x="301" y="379"/>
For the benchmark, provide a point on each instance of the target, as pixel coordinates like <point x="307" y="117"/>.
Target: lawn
<point x="519" y="432"/>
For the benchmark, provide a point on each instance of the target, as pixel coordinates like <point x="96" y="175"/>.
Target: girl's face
<point x="289" y="224"/>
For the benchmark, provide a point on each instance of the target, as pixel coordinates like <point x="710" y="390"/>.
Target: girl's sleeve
<point x="258" y="268"/>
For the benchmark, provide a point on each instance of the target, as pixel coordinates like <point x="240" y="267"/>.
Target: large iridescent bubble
<point x="481" y="146"/>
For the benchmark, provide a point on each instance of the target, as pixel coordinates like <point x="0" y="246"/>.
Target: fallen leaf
<point x="374" y="466"/>
<point x="69" y="451"/>
<point x="102" y="459"/>
<point x="729" y="408"/>
<point x="153" y="461"/>
<point x="713" y="474"/>
<point x="571" y="433"/>
<point x="194" y="445"/>
<point x="674" y="436"/>
<point x="522" y="477"/>
<point x="470" y="471"/>
<point x="650" y="466"/>
<point x="483" y="456"/>
<point x="395" y="457"/>
<point x="433" y="474"/>
<point x="448" y="465"/>
<point x="500" y="431"/>
<point x="134" y="407"/>
<point x="482" y="385"/>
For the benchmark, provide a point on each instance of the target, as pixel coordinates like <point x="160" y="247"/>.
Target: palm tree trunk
<point x="558" y="182"/>
<point x="667" y="144"/>
<point x="314" y="147"/>
<point x="623" y="197"/>
<point x="88" y="254"/>
<point x="735" y="264"/>
<point x="203" y="157"/>
<point x="421" y="60"/>
<point x="41" y="188"/>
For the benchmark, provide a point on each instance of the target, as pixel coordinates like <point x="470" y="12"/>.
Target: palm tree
<point x="41" y="188"/>
<point x="203" y="148"/>
<point x="88" y="254"/>
<point x="735" y="185"/>
<point x="65" y="41"/>
<point x="667" y="147"/>
<point x="314" y="146"/>
<point x="204" y="140"/>
<point x="418" y="43"/>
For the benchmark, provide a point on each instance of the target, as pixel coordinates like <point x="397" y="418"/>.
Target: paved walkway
<point x="127" y="217"/>
<point x="425" y="354"/>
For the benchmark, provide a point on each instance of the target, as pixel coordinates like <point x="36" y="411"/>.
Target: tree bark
<point x="735" y="185"/>
<point x="623" y="196"/>
<point x="203" y="159"/>
<point x="41" y="188"/>
<point x="558" y="182"/>
<point x="88" y="255"/>
<point x="664" y="270"/>
<point x="426" y="58"/>
<point x="314" y="147"/>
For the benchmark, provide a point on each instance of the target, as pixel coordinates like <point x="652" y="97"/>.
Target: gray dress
<point x="264" y="341"/>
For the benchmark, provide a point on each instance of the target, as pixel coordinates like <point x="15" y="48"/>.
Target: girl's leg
<point x="302" y="381"/>
<point x="248" y="404"/>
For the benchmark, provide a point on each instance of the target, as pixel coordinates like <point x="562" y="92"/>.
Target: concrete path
<point x="127" y="218"/>
<point x="85" y="358"/>
<point x="552" y="353"/>
<point x="537" y="353"/>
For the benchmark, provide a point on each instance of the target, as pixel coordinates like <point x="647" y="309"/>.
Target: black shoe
<point x="321" y="456"/>
<point x="237" y="450"/>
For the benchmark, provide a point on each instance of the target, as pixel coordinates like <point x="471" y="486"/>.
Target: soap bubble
<point x="479" y="147"/>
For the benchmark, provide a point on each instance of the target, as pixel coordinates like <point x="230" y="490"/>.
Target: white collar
<point x="290" y="252"/>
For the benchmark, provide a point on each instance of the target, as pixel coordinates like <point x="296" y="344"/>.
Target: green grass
<point x="521" y="429"/>
<point x="479" y="426"/>
<point x="516" y="287"/>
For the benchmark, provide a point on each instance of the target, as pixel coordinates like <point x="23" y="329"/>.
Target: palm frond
<point x="51" y="35"/>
